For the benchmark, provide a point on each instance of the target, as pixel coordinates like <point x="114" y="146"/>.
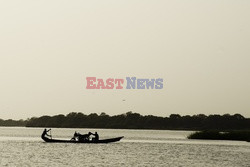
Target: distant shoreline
<point x="96" y="128"/>
<point x="131" y="120"/>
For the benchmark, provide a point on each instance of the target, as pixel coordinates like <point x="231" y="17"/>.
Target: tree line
<point x="11" y="122"/>
<point x="132" y="120"/>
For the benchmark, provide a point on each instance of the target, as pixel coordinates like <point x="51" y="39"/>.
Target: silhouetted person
<point x="45" y="133"/>
<point x="76" y="135"/>
<point x="96" y="136"/>
<point x="84" y="137"/>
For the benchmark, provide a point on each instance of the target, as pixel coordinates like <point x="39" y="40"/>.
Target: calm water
<point x="23" y="147"/>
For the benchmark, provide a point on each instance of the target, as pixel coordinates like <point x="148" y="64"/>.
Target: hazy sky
<point x="200" y="48"/>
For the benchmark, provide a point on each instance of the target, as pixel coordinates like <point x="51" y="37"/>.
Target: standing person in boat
<point x="45" y="133"/>
<point x="96" y="137"/>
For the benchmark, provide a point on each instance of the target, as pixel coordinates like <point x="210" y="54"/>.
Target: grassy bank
<point x="217" y="135"/>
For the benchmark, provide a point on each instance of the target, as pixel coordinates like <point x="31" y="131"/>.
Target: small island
<point x="218" y="135"/>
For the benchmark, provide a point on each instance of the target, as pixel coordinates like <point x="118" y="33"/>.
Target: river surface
<point x="24" y="147"/>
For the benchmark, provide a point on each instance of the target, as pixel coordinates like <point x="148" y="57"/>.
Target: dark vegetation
<point x="11" y="122"/>
<point x="217" y="135"/>
<point x="136" y="121"/>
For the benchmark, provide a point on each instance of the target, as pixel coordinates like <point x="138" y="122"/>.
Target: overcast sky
<point x="200" y="49"/>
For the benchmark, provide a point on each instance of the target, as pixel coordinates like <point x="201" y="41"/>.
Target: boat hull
<point x="111" y="140"/>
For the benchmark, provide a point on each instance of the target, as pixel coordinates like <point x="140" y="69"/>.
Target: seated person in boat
<point x="75" y="136"/>
<point x="80" y="137"/>
<point x="85" y="137"/>
<point x="45" y="133"/>
<point x="96" y="138"/>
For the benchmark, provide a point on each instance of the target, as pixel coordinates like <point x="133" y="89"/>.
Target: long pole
<point x="50" y="134"/>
